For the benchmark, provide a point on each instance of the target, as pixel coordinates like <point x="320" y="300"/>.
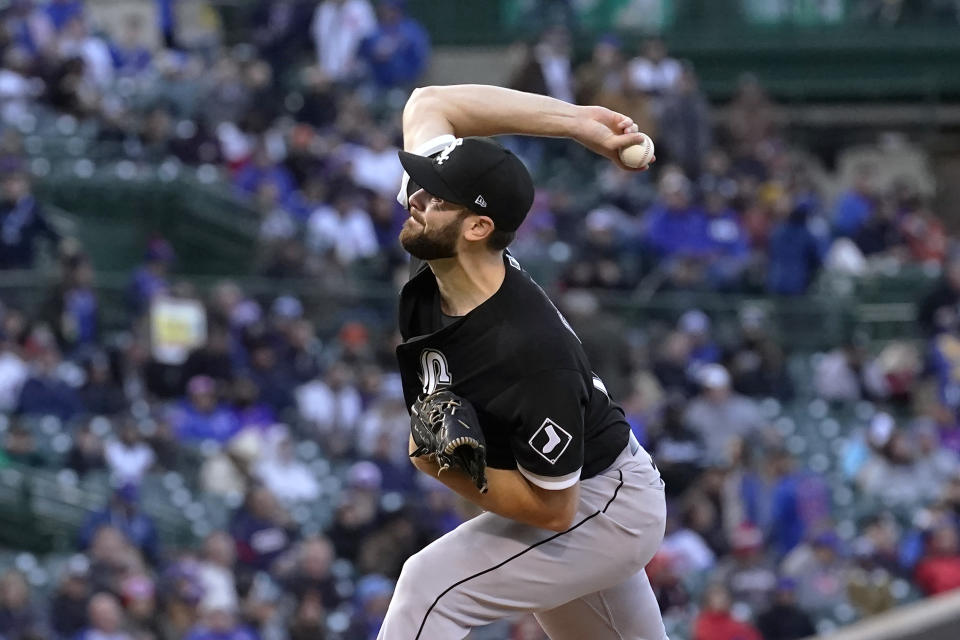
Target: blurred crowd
<point x="300" y="433"/>
<point x="307" y="133"/>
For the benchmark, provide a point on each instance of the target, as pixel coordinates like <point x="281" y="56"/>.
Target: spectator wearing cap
<point x="747" y="572"/>
<point x="262" y="530"/>
<point x="715" y="622"/>
<point x="183" y="591"/>
<point x="124" y="514"/>
<point x="784" y="620"/>
<point x="598" y="262"/>
<point x="939" y="569"/>
<point x="670" y="362"/>
<point x="68" y="606"/>
<point x="398" y="50"/>
<point x="139" y="599"/>
<point x="719" y="415"/>
<point x="201" y="416"/>
<point x="106" y="619"/>
<point x="19" y="618"/>
<point x="794" y="253"/>
<point x="22" y="222"/>
<point x="373" y="597"/>
<point x="696" y="324"/>
<point x="150" y="279"/>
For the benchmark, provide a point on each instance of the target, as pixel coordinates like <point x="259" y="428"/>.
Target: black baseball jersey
<point x="516" y="359"/>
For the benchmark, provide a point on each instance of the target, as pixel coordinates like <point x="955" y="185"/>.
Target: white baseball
<point x="637" y="156"/>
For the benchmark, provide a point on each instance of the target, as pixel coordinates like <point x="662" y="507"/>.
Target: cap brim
<point x="422" y="171"/>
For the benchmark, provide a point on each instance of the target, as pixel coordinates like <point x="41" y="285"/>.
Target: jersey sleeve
<point x="548" y="439"/>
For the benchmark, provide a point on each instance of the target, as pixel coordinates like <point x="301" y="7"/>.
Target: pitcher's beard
<point x="430" y="246"/>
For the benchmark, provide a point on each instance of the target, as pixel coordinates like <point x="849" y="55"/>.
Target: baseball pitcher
<point x="505" y="409"/>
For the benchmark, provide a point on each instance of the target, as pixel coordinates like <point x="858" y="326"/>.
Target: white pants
<point x="584" y="583"/>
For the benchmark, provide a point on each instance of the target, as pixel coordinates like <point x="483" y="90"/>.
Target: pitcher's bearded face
<point x="432" y="230"/>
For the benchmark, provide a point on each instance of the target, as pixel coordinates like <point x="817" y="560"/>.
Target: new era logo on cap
<point x="479" y="174"/>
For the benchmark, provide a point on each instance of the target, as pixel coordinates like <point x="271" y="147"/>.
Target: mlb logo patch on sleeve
<point x="550" y="441"/>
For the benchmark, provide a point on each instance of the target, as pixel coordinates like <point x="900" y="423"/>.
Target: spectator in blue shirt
<point x="73" y="311"/>
<point x="794" y="255"/>
<point x="124" y="514"/>
<point x="130" y="56"/>
<point x="61" y="12"/>
<point x="675" y="227"/>
<point x="201" y="416"/>
<point x="398" y="51"/>
<point x="22" y="222"/>
<point x="151" y="278"/>
<point x="800" y="504"/>
<point x="725" y="241"/>
<point x="45" y="393"/>
<point x="857" y="205"/>
<point x="262" y="170"/>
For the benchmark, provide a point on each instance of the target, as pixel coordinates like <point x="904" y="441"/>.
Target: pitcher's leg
<point x="627" y="611"/>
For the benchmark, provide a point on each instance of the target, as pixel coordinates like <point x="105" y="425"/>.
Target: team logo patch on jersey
<point x="550" y="441"/>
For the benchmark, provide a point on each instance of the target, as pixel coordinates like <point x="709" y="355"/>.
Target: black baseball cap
<point x="479" y="174"/>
